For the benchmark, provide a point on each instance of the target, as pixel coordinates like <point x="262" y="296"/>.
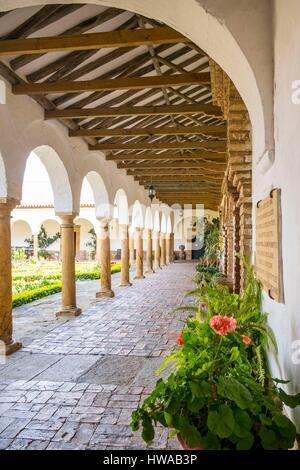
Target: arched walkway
<point x="85" y="378"/>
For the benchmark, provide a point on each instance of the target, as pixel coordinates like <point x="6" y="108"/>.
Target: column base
<point x="69" y="312"/>
<point x="105" y="293"/>
<point x="139" y="277"/>
<point x="150" y="271"/>
<point x="125" y="284"/>
<point x="12" y="347"/>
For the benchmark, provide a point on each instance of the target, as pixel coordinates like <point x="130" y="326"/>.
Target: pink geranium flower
<point x="180" y="340"/>
<point x="223" y="324"/>
<point x="246" y="339"/>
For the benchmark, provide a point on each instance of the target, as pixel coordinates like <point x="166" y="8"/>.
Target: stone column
<point x="7" y="345"/>
<point x="131" y="248"/>
<point x="163" y="249"/>
<point x="157" y="250"/>
<point x="69" y="307"/>
<point x="168" y="248"/>
<point x="149" y="251"/>
<point x="139" y="264"/>
<point x="35" y="245"/>
<point x="105" y="280"/>
<point x="171" y="247"/>
<point x="125" y="278"/>
<point x="236" y="249"/>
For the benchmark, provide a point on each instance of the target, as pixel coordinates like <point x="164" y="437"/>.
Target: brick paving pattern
<point x="75" y="384"/>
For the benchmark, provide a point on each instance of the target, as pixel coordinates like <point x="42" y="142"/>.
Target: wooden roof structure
<point x="133" y="88"/>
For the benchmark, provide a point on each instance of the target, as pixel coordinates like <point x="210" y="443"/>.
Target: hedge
<point x="80" y="275"/>
<point x="35" y="294"/>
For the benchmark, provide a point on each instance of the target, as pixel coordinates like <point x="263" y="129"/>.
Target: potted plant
<point x="182" y="254"/>
<point x="220" y="394"/>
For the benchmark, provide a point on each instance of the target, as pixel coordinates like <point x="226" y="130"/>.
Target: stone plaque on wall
<point x="268" y="262"/>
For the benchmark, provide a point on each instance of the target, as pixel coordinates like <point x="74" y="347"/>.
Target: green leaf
<point x="196" y="404"/>
<point x="188" y="431"/>
<point x="243" y="423"/>
<point x="210" y="442"/>
<point x="221" y="422"/>
<point x="290" y="400"/>
<point x="235" y="354"/>
<point x="173" y="357"/>
<point x="268" y="439"/>
<point x="265" y="420"/>
<point x="201" y="389"/>
<point x="173" y="405"/>
<point x="246" y="443"/>
<point x="233" y="390"/>
<point x="281" y="421"/>
<point x="279" y="381"/>
<point x="168" y="418"/>
<point x="148" y="431"/>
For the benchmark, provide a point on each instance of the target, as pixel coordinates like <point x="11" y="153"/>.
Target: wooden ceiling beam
<point x="210" y="145"/>
<point x="128" y="83"/>
<point x="212" y="131"/>
<point x="177" y="172"/>
<point x="167" y="156"/>
<point x="179" y="178"/>
<point x="81" y="42"/>
<point x="213" y="166"/>
<point x="104" y="111"/>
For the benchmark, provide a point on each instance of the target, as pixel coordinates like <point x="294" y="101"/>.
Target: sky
<point x="37" y="187"/>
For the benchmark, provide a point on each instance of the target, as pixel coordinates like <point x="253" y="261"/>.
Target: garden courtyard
<point x="76" y="381"/>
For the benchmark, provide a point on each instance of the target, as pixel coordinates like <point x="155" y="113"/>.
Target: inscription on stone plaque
<point x="268" y="261"/>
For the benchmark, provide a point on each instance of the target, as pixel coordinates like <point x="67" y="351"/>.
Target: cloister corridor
<point x="76" y="381"/>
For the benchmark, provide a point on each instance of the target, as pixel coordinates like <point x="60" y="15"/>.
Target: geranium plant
<point x="219" y="394"/>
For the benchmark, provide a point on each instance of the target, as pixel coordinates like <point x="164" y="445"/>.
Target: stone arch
<point x="101" y="198"/>
<point x="121" y="211"/>
<point x="137" y="216"/>
<point x="246" y="54"/>
<point x="58" y="175"/>
<point x="20" y="230"/>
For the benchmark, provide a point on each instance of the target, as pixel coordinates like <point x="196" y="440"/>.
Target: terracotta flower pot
<point x="185" y="446"/>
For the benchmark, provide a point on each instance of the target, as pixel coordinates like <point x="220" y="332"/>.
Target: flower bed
<point x="29" y="286"/>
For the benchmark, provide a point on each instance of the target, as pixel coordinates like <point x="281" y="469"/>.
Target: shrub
<point x="29" y="296"/>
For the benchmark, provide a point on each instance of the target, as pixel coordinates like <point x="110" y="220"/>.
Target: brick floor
<point x="75" y="383"/>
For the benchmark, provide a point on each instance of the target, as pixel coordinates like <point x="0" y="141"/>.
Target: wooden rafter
<point x="131" y="83"/>
<point x="207" y="145"/>
<point x="102" y="111"/>
<point x="219" y="131"/>
<point x="215" y="166"/>
<point x="166" y="156"/>
<point x="140" y="37"/>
